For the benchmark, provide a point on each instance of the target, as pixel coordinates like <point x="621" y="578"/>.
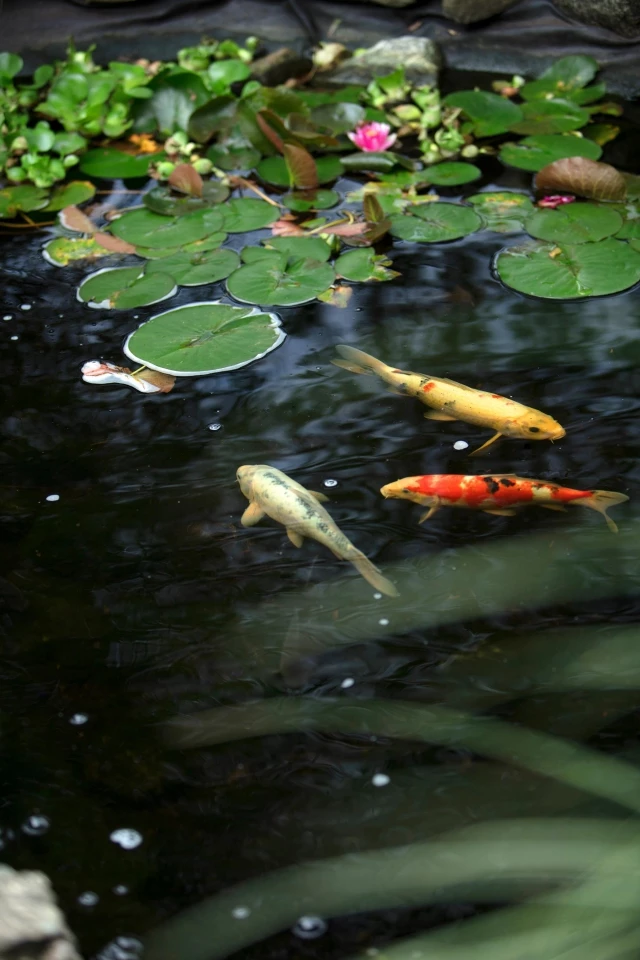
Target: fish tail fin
<point x="601" y="500"/>
<point x="357" y="361"/>
<point x="372" y="575"/>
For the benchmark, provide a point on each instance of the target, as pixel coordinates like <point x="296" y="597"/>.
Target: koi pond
<point x="215" y="743"/>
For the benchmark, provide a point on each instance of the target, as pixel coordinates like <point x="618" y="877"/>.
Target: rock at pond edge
<point x="420" y="57"/>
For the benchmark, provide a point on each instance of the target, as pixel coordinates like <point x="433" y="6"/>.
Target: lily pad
<point x="193" y="269"/>
<point x="274" y="170"/>
<point x="435" y="222"/>
<point x="567" y="271"/>
<point x="309" y="248"/>
<point x="489" y="113"/>
<point x="377" y="161"/>
<point x="122" y="288"/>
<point x="630" y="229"/>
<point x="451" y="173"/>
<point x="550" y="116"/>
<point x="280" y="281"/>
<point x="301" y="201"/>
<point x="338" y="117"/>
<point x="203" y="338"/>
<point x="574" y="223"/>
<point x="229" y="156"/>
<point x="107" y="163"/>
<point x="565" y="78"/>
<point x="64" y="250"/>
<point x="534" y="153"/>
<point x="147" y="229"/>
<point x="502" y="212"/>
<point x="363" y="265"/>
<point x="246" y="214"/>
<point x="161" y="200"/>
<point x="26" y="198"/>
<point x="212" y="242"/>
<point x="69" y="194"/>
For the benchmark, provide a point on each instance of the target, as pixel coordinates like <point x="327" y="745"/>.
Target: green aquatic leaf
<point x="233" y="156"/>
<point x="280" y="281"/>
<point x="574" y="223"/>
<point x="176" y="94"/>
<point x="363" y="265"/>
<point x="565" y="78"/>
<point x="451" y="173"/>
<point x="64" y="250"/>
<point x="122" y="288"/>
<point x="489" y="113"/>
<point x="502" y="212"/>
<point x="601" y="133"/>
<point x="567" y="271"/>
<point x="26" y="198"/>
<point x="222" y="73"/>
<point x="338" y="117"/>
<point x="304" y="200"/>
<point x="193" y="269"/>
<point x="274" y="170"/>
<point x="435" y="222"/>
<point x="376" y="161"/>
<point x="204" y="338"/>
<point x="534" y="153"/>
<point x="10" y="65"/>
<point x="163" y="201"/>
<point x="246" y="214"/>
<point x="550" y="116"/>
<point x="210" y="242"/>
<point x="147" y="229"/>
<point x="217" y="115"/>
<point x="630" y="229"/>
<point x="308" y="248"/>
<point x="107" y="163"/>
<point x="70" y="194"/>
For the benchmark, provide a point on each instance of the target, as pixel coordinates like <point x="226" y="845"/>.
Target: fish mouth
<point x="558" y="434"/>
<point x="385" y="490"/>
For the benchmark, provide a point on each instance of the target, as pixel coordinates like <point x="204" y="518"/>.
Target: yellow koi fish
<point x="273" y="493"/>
<point x="455" y="401"/>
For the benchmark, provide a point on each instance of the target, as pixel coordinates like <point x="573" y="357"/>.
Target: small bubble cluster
<point x="240" y="913"/>
<point x="36" y="825"/>
<point x="383" y="622"/>
<point x="122" y="948"/>
<point x="347" y="682"/>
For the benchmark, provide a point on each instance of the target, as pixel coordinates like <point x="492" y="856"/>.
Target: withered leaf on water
<point x="74" y="219"/>
<point x="583" y="177"/>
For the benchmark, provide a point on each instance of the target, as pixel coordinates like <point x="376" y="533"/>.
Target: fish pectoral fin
<point x="502" y="511"/>
<point x="429" y="513"/>
<point x="320" y="497"/>
<point x="438" y="415"/>
<point x="484" y="446"/>
<point x="296" y="538"/>
<point x="553" y="506"/>
<point x="252" y="515"/>
<point x="351" y="367"/>
<point x="397" y="391"/>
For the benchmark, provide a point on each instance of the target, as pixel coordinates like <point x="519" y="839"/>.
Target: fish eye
<point x="405" y="490"/>
<point x="534" y="429"/>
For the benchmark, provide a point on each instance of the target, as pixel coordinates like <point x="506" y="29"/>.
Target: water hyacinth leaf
<point x="378" y="162"/>
<point x="222" y="73"/>
<point x="10" y="65"/>
<point x="534" y="153"/>
<point x="338" y="117"/>
<point x="147" y="229"/>
<point x="280" y="282"/>
<point x="588" y="95"/>
<point x="550" y="116"/>
<point x="246" y="214"/>
<point x="175" y="96"/>
<point x="583" y="177"/>
<point x="301" y="167"/>
<point x="564" y="78"/>
<point x="203" y="338"/>
<point x="122" y="288"/>
<point x="574" y="223"/>
<point x="451" y="173"/>
<point x="107" y="163"/>
<point x="232" y="156"/>
<point x="193" y="269"/>
<point x="71" y="193"/>
<point x="64" y="250"/>
<point x="502" y="212"/>
<point x="309" y="248"/>
<point x="304" y="200"/>
<point x="489" y="113"/>
<point x="435" y="222"/>
<point x="566" y="272"/>
<point x="363" y="265"/>
<point x="26" y="198"/>
<point x="274" y="170"/>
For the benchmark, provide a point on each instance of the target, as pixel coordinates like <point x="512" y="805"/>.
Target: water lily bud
<point x="202" y="165"/>
<point x="470" y="151"/>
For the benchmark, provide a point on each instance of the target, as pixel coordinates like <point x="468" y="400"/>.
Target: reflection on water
<point x="136" y="596"/>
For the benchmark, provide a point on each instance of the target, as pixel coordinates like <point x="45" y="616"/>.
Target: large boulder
<point x="619" y="16"/>
<point x="419" y="56"/>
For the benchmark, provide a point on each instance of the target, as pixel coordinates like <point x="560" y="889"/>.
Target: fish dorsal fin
<point x="320" y="497"/>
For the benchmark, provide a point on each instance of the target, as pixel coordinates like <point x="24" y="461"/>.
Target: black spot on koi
<point x="507" y="483"/>
<point x="492" y="484"/>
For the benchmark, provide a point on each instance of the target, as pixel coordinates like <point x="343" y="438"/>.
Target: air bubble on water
<point x="330" y="483"/>
<point x="347" y="682"/>
<point x="460" y="445"/>
<point x="8" y="317"/>
<point x="383" y="622"/>
<point x="15" y="338"/>
<point x="120" y="890"/>
<point x="380" y="780"/>
<point x="214" y="426"/>
<point x="25" y="306"/>
<point x="240" y="913"/>
<point x="36" y="825"/>
<point x="6" y="836"/>
<point x="126" y="838"/>
<point x="78" y="719"/>
<point x="53" y="497"/>
<point x="122" y="948"/>
<point x="308" y="928"/>
<point x="377" y="596"/>
<point x="88" y="898"/>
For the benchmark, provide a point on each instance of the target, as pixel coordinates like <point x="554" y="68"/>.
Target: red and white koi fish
<point x="500" y="493"/>
<point x="455" y="401"/>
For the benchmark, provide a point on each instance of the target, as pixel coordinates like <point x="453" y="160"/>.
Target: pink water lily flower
<point x="555" y="200"/>
<point x="371" y="137"/>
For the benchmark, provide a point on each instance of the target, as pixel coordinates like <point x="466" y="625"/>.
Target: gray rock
<point x="619" y="16"/>
<point x="470" y="11"/>
<point x="419" y="56"/>
<point x="32" y="926"/>
<point x="280" y="66"/>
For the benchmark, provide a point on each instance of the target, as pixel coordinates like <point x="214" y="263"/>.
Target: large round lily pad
<point x="435" y="222"/>
<point x="309" y="248"/>
<point x="451" y="173"/>
<point x="193" y="269"/>
<point x="574" y="223"/>
<point x="489" y="113"/>
<point x="201" y="338"/>
<point x="503" y="212"/>
<point x="147" y="229"/>
<point x="246" y="214"/>
<point x="534" y="153"/>
<point x="363" y="265"/>
<point x="550" y="116"/>
<point x="280" y="281"/>
<point x="568" y="271"/>
<point x="122" y="288"/>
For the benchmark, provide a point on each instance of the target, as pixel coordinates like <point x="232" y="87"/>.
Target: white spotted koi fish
<point x="501" y="493"/>
<point x="273" y="493"/>
<point x="455" y="401"/>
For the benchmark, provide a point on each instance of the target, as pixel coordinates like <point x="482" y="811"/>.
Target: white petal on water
<point x="97" y="371"/>
<point x="126" y="838"/>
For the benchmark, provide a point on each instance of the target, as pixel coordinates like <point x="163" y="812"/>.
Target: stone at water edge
<point x="420" y="57"/>
<point x="619" y="16"/>
<point x="470" y="11"/>
<point x="30" y="917"/>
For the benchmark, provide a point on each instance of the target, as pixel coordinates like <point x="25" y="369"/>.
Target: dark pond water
<point x="137" y="595"/>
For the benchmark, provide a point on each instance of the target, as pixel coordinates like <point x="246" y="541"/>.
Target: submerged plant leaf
<point x="70" y="193"/>
<point x="274" y="170"/>
<point x="193" y="269"/>
<point x="110" y="164"/>
<point x="279" y="280"/>
<point x="550" y="116"/>
<point x="583" y="177"/>
<point x="122" y="288"/>
<point x="147" y="229"/>
<point x="566" y="272"/>
<point x="363" y="265"/>
<point x="246" y="214"/>
<point x="502" y="211"/>
<point x="534" y="153"/>
<point x="304" y="200"/>
<point x="489" y="113"/>
<point x="64" y="250"/>
<point x="26" y="198"/>
<point x="574" y="223"/>
<point x="146" y="381"/>
<point x="451" y="173"/>
<point x="203" y="338"/>
<point x="435" y="222"/>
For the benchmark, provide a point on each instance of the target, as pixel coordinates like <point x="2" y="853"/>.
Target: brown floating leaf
<point x="337" y="296"/>
<point x="186" y="180"/>
<point x="301" y="166"/>
<point x="347" y="229"/>
<point x="163" y="381"/>
<point x="113" y="244"/>
<point x="74" y="219"/>
<point x="583" y="177"/>
<point x="286" y="228"/>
